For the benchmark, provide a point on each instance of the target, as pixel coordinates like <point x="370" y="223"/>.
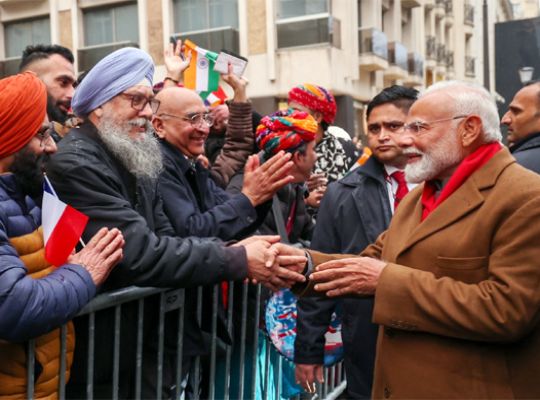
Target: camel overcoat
<point x="459" y="300"/>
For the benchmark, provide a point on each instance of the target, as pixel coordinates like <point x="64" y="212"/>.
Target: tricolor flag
<point x="200" y="75"/>
<point x="62" y="226"/>
<point x="215" y="98"/>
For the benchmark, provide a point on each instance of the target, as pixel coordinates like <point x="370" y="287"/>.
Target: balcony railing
<point x="468" y="14"/>
<point x="216" y="39"/>
<point x="373" y="41"/>
<point x="431" y="48"/>
<point x="308" y="30"/>
<point x="469" y="66"/>
<point x="450" y="60"/>
<point x="441" y="54"/>
<point x="416" y="64"/>
<point x="410" y="3"/>
<point x="397" y="55"/>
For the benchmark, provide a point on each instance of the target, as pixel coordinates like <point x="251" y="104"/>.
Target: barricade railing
<point x="247" y="368"/>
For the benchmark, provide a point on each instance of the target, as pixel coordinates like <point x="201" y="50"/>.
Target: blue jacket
<point x="353" y="212"/>
<point x="211" y="212"/>
<point x="31" y="307"/>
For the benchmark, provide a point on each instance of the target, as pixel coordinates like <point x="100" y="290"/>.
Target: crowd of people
<point x="429" y="246"/>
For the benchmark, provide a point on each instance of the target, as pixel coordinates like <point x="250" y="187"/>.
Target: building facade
<point x="353" y="47"/>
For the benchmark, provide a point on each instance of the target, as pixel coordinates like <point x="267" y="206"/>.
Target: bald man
<point x="194" y="204"/>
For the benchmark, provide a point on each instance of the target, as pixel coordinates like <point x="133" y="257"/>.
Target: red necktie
<point x="402" y="188"/>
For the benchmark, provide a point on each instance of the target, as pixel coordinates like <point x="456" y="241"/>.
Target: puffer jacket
<point x="35" y="298"/>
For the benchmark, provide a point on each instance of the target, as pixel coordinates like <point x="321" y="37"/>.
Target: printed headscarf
<point x="315" y="98"/>
<point x="285" y="130"/>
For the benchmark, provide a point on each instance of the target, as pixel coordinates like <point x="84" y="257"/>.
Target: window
<point x="210" y="24"/>
<point x="18" y="35"/>
<point x="111" y="25"/>
<point x="300" y="8"/>
<point x="196" y="15"/>
<point x="306" y="22"/>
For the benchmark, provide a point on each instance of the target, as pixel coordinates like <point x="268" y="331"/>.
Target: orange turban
<point x="23" y="104"/>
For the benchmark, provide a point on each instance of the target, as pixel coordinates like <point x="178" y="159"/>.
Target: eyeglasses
<point x="392" y="126"/>
<point x="44" y="134"/>
<point x="139" y="102"/>
<point x="418" y="128"/>
<point x="195" y="119"/>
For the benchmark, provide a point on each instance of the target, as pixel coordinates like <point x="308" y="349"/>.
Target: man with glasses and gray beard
<point x="108" y="169"/>
<point x="455" y="276"/>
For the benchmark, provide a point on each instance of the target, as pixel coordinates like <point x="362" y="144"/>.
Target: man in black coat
<point x="523" y="122"/>
<point x="108" y="169"/>
<point x="194" y="204"/>
<point x="354" y="211"/>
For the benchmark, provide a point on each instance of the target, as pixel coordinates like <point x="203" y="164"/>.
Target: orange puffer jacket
<point x="47" y="347"/>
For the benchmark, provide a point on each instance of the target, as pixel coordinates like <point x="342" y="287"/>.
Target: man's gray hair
<point x="471" y="98"/>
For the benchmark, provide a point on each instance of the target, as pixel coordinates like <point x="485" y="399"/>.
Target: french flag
<point x="62" y="226"/>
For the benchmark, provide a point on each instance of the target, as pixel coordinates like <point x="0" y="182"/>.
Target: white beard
<point x="141" y="157"/>
<point x="443" y="154"/>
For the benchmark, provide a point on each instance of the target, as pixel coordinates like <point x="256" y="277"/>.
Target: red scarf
<point x="470" y="164"/>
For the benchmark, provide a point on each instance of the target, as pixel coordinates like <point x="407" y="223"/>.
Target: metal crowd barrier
<point x="245" y="351"/>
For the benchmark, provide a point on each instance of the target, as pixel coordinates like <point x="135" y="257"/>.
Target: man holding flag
<point x="35" y="297"/>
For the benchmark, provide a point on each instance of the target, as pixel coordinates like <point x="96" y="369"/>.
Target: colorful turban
<point x="316" y="98"/>
<point x="285" y="130"/>
<point x="23" y="104"/>
<point x="111" y="76"/>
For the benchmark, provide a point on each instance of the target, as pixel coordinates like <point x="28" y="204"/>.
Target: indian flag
<point x="200" y="75"/>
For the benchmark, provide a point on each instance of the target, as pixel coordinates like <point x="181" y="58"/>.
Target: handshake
<point x="277" y="265"/>
<point x="273" y="264"/>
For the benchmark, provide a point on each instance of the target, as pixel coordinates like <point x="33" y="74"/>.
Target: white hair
<point x="141" y="157"/>
<point x="471" y="98"/>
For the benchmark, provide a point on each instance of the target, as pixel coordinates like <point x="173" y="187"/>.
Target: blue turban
<point x="111" y="76"/>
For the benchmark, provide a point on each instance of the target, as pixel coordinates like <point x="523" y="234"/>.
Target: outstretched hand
<point x="349" y="276"/>
<point x="263" y="265"/>
<point x="175" y="62"/>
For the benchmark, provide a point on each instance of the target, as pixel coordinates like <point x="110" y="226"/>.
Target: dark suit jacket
<point x="354" y="211"/>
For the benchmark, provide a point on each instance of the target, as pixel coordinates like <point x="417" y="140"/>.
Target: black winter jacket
<point x="527" y="152"/>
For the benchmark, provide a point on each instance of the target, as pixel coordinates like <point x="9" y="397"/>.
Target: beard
<point x="141" y="157"/>
<point x="442" y="155"/>
<point x="27" y="168"/>
<point x="54" y="112"/>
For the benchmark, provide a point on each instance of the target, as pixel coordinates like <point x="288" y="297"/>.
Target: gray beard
<point x="141" y="157"/>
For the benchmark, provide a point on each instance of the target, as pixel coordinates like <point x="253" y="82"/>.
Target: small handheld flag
<point x="200" y="75"/>
<point x="62" y="226"/>
<point x="215" y="98"/>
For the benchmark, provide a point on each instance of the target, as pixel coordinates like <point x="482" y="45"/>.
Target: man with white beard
<point x="107" y="168"/>
<point x="455" y="278"/>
